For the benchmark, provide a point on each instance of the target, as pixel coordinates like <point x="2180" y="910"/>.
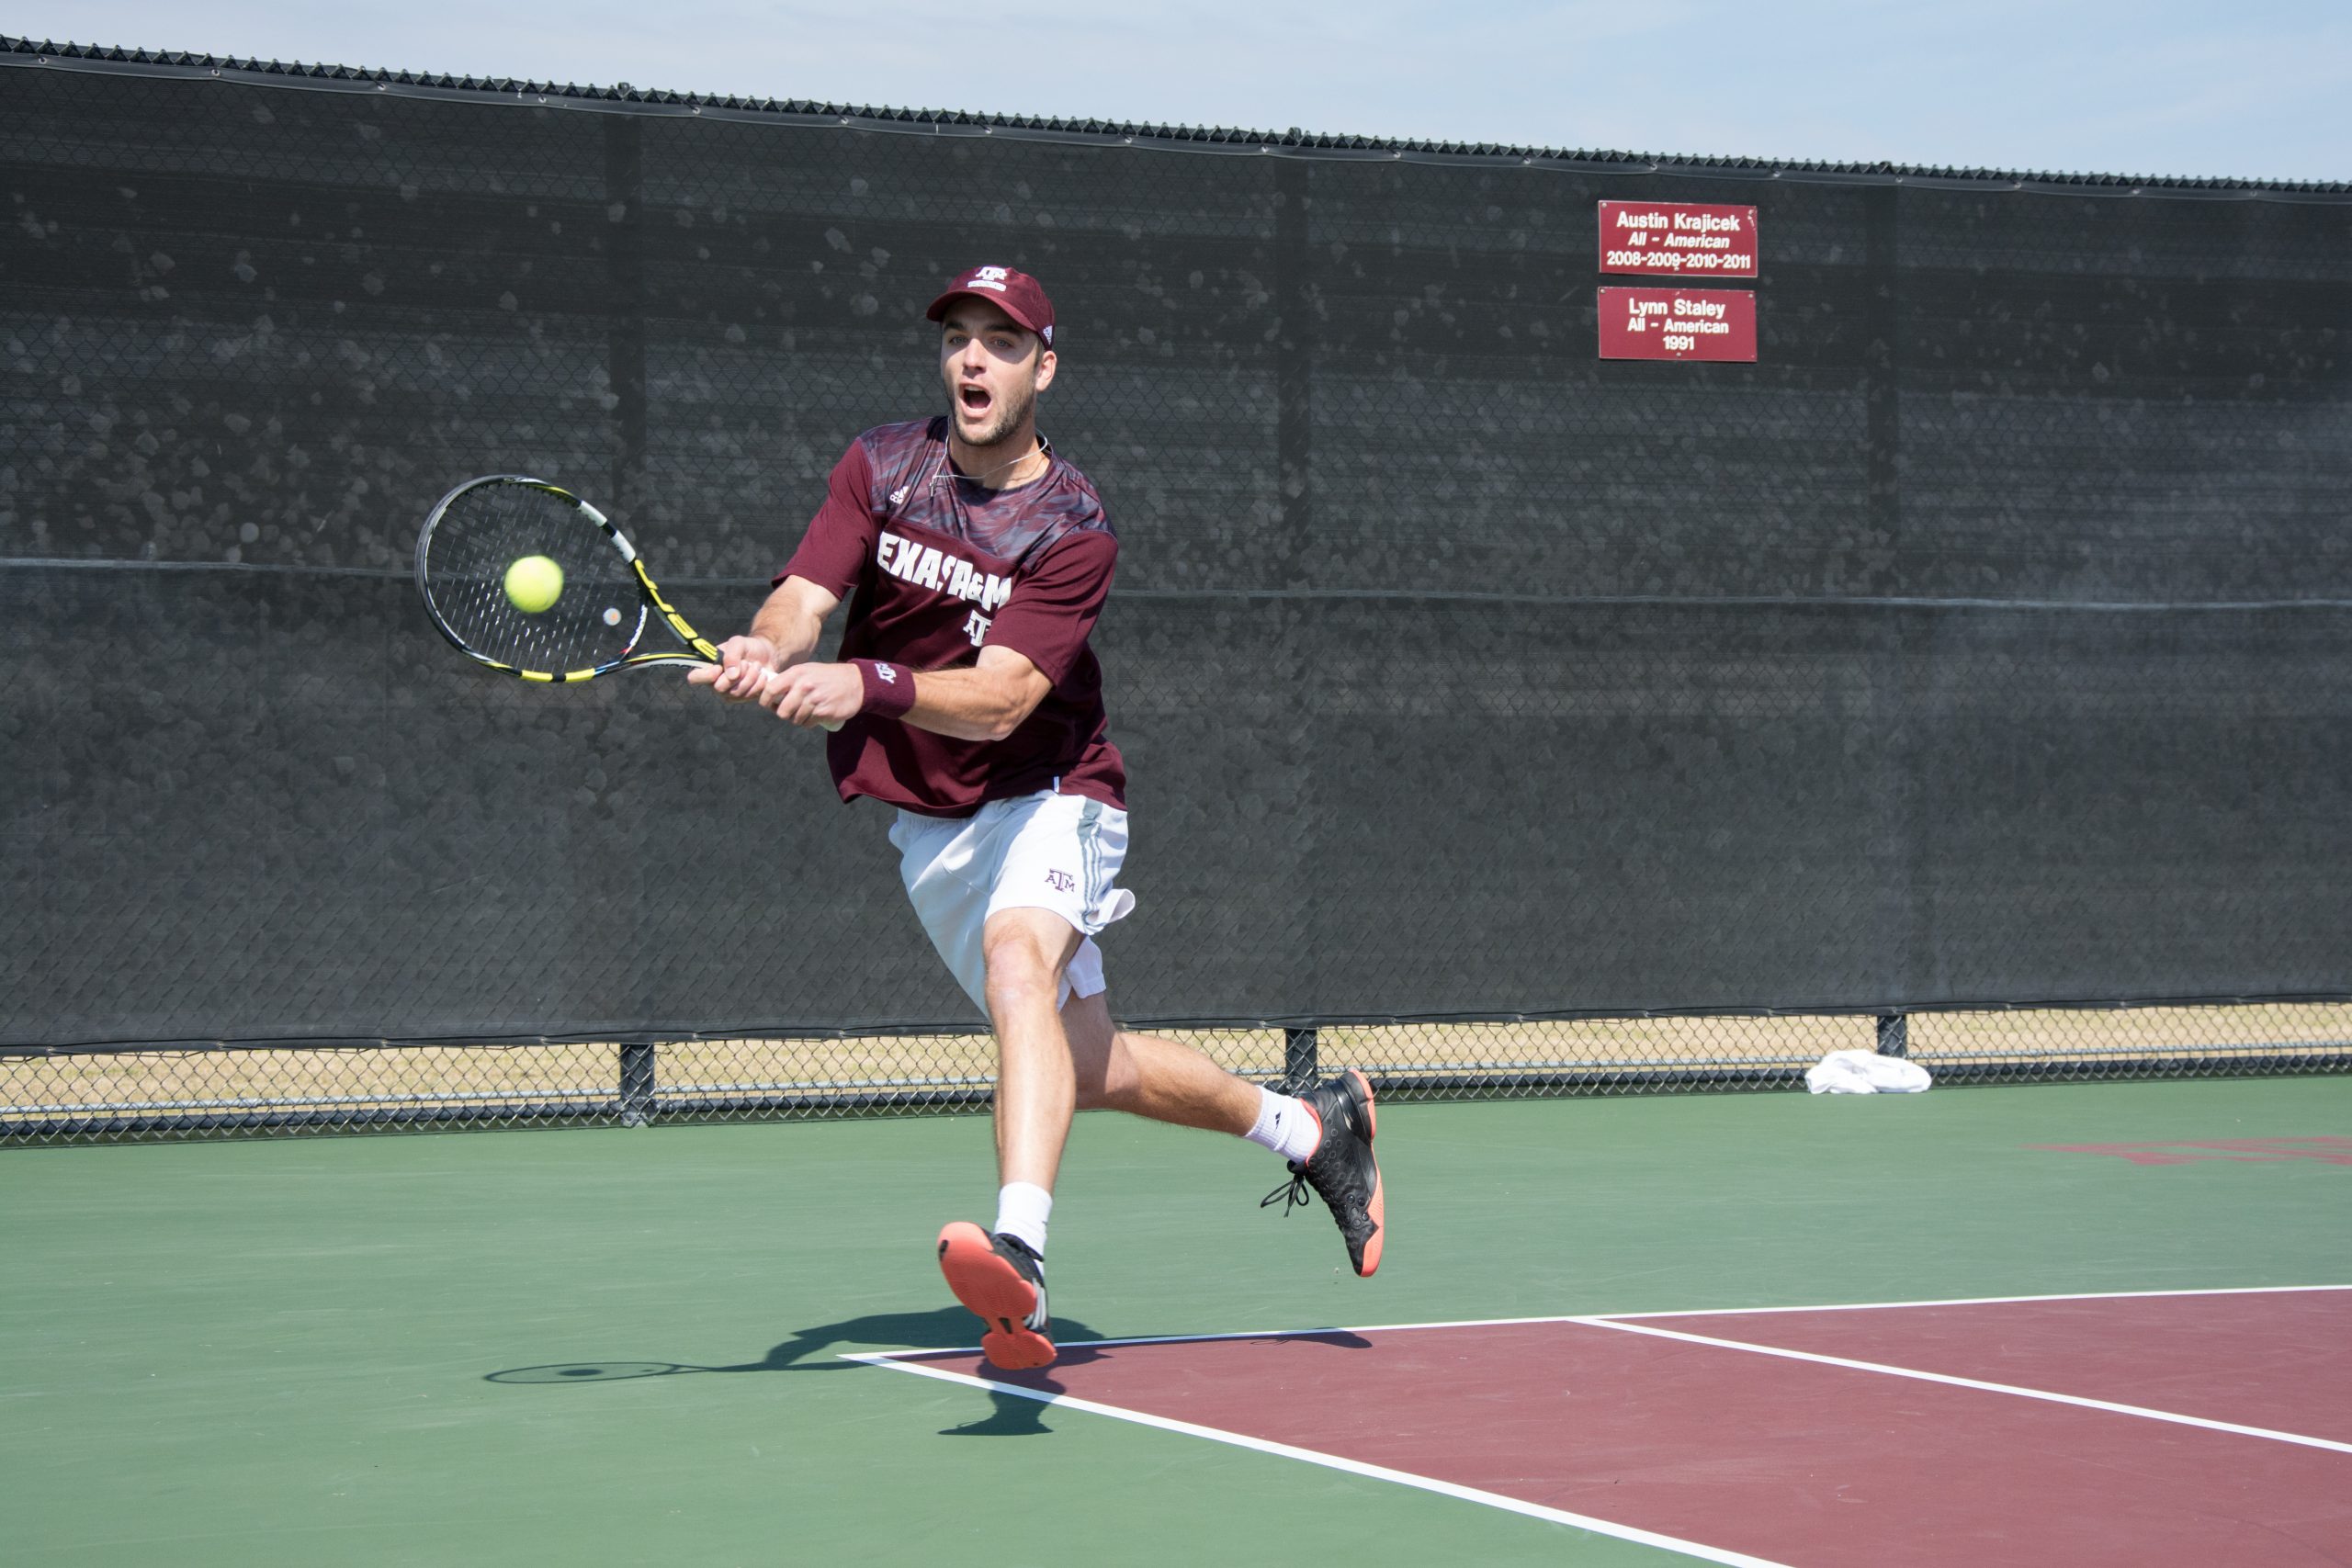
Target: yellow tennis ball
<point x="534" y="582"/>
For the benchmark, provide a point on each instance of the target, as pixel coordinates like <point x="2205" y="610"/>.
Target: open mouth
<point x="974" y="400"/>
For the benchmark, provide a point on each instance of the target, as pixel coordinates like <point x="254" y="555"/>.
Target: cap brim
<point x="938" y="312"/>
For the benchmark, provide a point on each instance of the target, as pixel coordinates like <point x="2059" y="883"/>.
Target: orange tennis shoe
<point x="999" y="1278"/>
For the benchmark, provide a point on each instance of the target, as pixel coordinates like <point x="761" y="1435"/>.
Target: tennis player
<point x="975" y="559"/>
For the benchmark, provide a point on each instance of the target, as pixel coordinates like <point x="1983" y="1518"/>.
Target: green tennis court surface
<point x="626" y="1346"/>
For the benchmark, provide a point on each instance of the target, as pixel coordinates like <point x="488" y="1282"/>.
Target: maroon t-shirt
<point x="935" y="568"/>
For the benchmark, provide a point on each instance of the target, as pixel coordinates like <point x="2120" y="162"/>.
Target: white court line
<point x="1976" y="1301"/>
<point x="1812" y="1307"/>
<point x="1331" y="1461"/>
<point x="2142" y="1411"/>
<point x="1329" y="1331"/>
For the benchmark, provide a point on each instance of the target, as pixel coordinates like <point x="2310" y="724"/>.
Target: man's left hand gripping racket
<point x="530" y="579"/>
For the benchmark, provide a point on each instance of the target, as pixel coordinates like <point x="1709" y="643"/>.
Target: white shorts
<point x="1046" y="850"/>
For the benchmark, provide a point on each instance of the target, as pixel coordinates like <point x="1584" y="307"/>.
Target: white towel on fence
<point x="1865" y="1072"/>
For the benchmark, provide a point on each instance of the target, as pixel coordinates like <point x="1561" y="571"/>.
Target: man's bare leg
<point x="1036" y="1084"/>
<point x="1146" y="1074"/>
<point x="1051" y="1061"/>
<point x="999" y="1273"/>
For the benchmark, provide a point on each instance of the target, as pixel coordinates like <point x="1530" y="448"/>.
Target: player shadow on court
<point x="813" y="1350"/>
<point x="1016" y="1414"/>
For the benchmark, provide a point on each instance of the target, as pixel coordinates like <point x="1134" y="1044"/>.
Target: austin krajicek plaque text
<point x="1668" y="239"/>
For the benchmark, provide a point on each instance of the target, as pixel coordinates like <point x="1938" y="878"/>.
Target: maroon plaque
<point x="1678" y="324"/>
<point x="1668" y="239"/>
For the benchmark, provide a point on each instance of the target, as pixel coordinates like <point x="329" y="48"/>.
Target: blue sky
<point x="2260" y="89"/>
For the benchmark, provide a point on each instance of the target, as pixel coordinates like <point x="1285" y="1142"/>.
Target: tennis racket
<point x="526" y="578"/>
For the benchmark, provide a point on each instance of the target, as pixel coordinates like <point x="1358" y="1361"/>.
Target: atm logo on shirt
<point x="927" y="565"/>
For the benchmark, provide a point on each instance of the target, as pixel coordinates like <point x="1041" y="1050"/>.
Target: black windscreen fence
<point x="1988" y="641"/>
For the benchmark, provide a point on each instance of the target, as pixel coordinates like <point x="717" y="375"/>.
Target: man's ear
<point x="1045" y="363"/>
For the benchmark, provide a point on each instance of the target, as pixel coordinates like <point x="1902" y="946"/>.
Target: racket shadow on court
<point x="811" y="1350"/>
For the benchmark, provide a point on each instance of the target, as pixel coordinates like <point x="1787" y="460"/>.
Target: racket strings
<point x="595" y="620"/>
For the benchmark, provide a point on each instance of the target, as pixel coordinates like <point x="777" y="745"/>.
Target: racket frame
<point x="698" y="648"/>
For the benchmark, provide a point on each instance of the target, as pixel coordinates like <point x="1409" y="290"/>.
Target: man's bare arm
<point x="987" y="700"/>
<point x="783" y="633"/>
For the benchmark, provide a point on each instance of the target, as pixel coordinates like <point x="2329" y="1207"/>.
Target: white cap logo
<point x="989" y="277"/>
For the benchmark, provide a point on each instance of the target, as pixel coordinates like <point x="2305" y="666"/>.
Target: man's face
<point x="994" y="368"/>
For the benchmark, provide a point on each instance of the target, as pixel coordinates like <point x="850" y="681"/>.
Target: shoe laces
<point x="1291" y="1194"/>
<point x="1036" y="1262"/>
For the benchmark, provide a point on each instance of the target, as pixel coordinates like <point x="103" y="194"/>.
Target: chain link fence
<point x="1960" y="678"/>
<point x="103" y="1096"/>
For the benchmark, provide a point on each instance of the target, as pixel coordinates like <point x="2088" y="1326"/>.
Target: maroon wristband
<point x="890" y="688"/>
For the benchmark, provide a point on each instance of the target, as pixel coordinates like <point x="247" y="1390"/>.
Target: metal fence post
<point x="637" y="1085"/>
<point x="1894" y="1035"/>
<point x="1299" y="1069"/>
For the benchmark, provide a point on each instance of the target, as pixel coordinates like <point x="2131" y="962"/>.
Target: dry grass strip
<point x="1488" y="1056"/>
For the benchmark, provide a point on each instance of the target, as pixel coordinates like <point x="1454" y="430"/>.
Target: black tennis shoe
<point x="999" y="1278"/>
<point x="1341" y="1169"/>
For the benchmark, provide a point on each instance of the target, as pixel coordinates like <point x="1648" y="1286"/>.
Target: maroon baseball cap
<point x="1017" y="294"/>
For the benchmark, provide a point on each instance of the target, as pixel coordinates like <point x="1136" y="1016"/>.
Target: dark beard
<point x="1011" y="415"/>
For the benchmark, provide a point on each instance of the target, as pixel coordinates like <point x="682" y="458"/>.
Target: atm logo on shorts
<point x="927" y="565"/>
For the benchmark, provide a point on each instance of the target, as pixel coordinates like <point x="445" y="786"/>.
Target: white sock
<point x="1287" y="1127"/>
<point x="1020" y="1211"/>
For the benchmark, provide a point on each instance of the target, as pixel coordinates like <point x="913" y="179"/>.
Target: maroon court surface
<point x="2194" y="1429"/>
